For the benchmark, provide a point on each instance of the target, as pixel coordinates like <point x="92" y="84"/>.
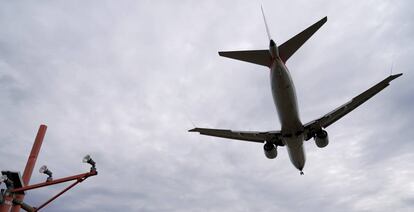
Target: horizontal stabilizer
<point x="259" y="57"/>
<point x="287" y="49"/>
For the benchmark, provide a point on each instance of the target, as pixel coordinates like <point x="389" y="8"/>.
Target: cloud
<point x="124" y="80"/>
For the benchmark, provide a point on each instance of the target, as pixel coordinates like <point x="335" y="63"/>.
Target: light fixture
<point x="88" y="159"/>
<point x="9" y="183"/>
<point x="3" y="178"/>
<point x="45" y="170"/>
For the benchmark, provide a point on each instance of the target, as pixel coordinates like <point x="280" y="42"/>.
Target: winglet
<point x="392" y="77"/>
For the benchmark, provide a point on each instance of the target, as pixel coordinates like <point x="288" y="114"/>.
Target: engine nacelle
<point x="321" y="139"/>
<point x="270" y="150"/>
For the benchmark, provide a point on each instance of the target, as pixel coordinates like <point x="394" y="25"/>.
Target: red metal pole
<point x="31" y="161"/>
<point x="5" y="207"/>
<point x="79" y="177"/>
<point x="57" y="195"/>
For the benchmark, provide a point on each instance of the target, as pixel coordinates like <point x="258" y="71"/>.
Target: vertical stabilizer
<point x="265" y="22"/>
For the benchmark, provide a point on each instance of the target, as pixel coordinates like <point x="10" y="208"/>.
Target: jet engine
<point x="270" y="150"/>
<point x="321" y="139"/>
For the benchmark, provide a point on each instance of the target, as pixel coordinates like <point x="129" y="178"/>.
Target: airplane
<point x="293" y="133"/>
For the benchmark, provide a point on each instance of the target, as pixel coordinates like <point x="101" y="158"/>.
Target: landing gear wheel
<point x="301" y="173"/>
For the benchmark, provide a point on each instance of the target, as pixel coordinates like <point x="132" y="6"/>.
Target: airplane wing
<point x="252" y="136"/>
<point x="341" y="111"/>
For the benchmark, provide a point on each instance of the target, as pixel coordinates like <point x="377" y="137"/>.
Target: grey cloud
<point x="123" y="81"/>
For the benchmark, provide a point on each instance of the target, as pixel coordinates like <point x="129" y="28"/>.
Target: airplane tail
<point x="265" y="57"/>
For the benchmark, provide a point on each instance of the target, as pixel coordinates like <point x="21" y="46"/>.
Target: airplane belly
<point x="294" y="146"/>
<point x="284" y="96"/>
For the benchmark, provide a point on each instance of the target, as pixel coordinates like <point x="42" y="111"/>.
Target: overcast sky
<point x="124" y="80"/>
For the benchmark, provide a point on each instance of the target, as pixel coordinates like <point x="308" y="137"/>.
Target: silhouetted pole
<point x="31" y="162"/>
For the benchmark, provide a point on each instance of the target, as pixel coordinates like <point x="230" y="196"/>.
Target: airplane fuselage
<point x="284" y="97"/>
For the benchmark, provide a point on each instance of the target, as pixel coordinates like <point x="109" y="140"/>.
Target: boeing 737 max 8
<point x="293" y="133"/>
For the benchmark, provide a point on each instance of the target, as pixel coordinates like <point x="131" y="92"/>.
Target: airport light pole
<point x="77" y="178"/>
<point x="31" y="162"/>
<point x="11" y="199"/>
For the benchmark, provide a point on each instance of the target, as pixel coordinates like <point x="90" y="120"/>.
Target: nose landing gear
<point x="301" y="173"/>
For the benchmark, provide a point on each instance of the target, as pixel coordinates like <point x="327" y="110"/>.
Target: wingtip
<point x="398" y="75"/>
<point x="395" y="76"/>
<point x="193" y="130"/>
